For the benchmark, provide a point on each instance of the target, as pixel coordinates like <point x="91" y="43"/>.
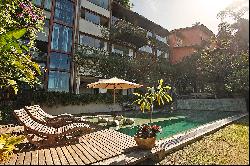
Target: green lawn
<point x="228" y="146"/>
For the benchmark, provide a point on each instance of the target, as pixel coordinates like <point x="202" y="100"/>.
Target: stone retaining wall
<point x="237" y="104"/>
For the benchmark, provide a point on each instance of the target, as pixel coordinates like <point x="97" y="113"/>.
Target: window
<point x="90" y="16"/>
<point x="162" y="39"/>
<point x="58" y="81"/>
<point x="101" y="3"/>
<point x="59" y="61"/>
<point x="149" y="34"/>
<point x="46" y="4"/>
<point x="46" y="24"/>
<point x="64" y="11"/>
<point x="162" y="54"/>
<point x="94" y="18"/>
<point x="92" y="42"/>
<point x="178" y="42"/>
<point x="37" y="2"/>
<point x="61" y="38"/>
<point x="146" y="49"/>
<point x="121" y="50"/>
<point x="114" y="19"/>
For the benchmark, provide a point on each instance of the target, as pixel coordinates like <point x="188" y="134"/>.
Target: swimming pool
<point x="178" y="124"/>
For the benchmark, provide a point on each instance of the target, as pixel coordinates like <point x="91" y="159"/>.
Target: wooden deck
<point x="92" y="148"/>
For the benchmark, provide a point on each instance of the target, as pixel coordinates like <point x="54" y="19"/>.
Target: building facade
<point x="185" y="41"/>
<point x="72" y="22"/>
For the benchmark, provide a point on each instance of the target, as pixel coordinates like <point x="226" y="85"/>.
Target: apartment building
<point x="185" y="41"/>
<point x="71" y="22"/>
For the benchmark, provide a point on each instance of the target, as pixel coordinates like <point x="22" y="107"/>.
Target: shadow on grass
<point x="243" y="121"/>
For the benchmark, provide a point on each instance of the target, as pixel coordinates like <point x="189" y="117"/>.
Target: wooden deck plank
<point x="86" y="153"/>
<point x="91" y="151"/>
<point x="82" y="155"/>
<point x="123" y="142"/>
<point x="74" y="155"/>
<point x="105" y="144"/>
<point x="61" y="156"/>
<point x="121" y="137"/>
<point x="55" y="156"/>
<point x="48" y="157"/>
<point x="68" y="156"/>
<point x="112" y="143"/>
<point x="27" y="158"/>
<point x="119" y="145"/>
<point x="20" y="158"/>
<point x="41" y="157"/>
<point x="93" y="148"/>
<point x="34" y="158"/>
<point x="12" y="160"/>
<point x="103" y="152"/>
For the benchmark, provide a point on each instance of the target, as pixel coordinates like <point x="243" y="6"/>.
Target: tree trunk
<point x="151" y="113"/>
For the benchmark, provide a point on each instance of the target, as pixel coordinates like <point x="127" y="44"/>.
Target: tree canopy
<point x="20" y="22"/>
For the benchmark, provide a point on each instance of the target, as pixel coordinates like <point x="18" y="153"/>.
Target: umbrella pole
<point x="114" y="96"/>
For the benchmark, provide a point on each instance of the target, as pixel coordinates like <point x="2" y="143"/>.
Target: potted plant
<point x="146" y="136"/>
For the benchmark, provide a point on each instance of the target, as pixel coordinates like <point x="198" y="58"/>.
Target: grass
<point x="228" y="146"/>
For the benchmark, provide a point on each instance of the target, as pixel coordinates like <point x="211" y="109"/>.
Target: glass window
<point x="58" y="81"/>
<point x="92" y="17"/>
<point x="162" y="54"/>
<point x="114" y="19"/>
<point x="46" y="23"/>
<point x="37" y="2"/>
<point x="149" y="34"/>
<point x="47" y="4"/>
<point x="92" y="42"/>
<point x="146" y="49"/>
<point x="162" y="39"/>
<point x="64" y="11"/>
<point x="101" y="3"/>
<point x="61" y="38"/>
<point x="120" y="50"/>
<point x="59" y="61"/>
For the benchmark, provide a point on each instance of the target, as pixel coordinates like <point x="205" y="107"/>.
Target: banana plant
<point x="159" y="94"/>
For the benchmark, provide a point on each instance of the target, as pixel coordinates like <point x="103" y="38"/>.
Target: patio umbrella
<point x="114" y="83"/>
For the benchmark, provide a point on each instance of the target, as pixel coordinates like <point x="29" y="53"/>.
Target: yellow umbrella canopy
<point x="114" y="83"/>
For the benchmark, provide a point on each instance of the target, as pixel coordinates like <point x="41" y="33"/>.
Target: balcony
<point x="128" y="33"/>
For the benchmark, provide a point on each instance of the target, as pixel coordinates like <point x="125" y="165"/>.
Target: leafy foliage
<point x="63" y="98"/>
<point x="147" y="131"/>
<point x="125" y="3"/>
<point x="20" y="22"/>
<point x="127" y="32"/>
<point x="158" y="94"/>
<point x="7" y="145"/>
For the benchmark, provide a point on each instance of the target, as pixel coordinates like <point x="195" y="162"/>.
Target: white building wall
<point x="90" y="28"/>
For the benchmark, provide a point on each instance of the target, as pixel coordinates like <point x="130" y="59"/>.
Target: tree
<point x="20" y="22"/>
<point x="226" y="66"/>
<point x="125" y="3"/>
<point x="158" y="94"/>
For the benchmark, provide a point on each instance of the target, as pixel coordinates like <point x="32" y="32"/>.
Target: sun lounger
<point x="43" y="135"/>
<point x="38" y="114"/>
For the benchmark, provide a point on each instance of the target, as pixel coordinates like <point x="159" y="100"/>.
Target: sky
<point x="174" y="14"/>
